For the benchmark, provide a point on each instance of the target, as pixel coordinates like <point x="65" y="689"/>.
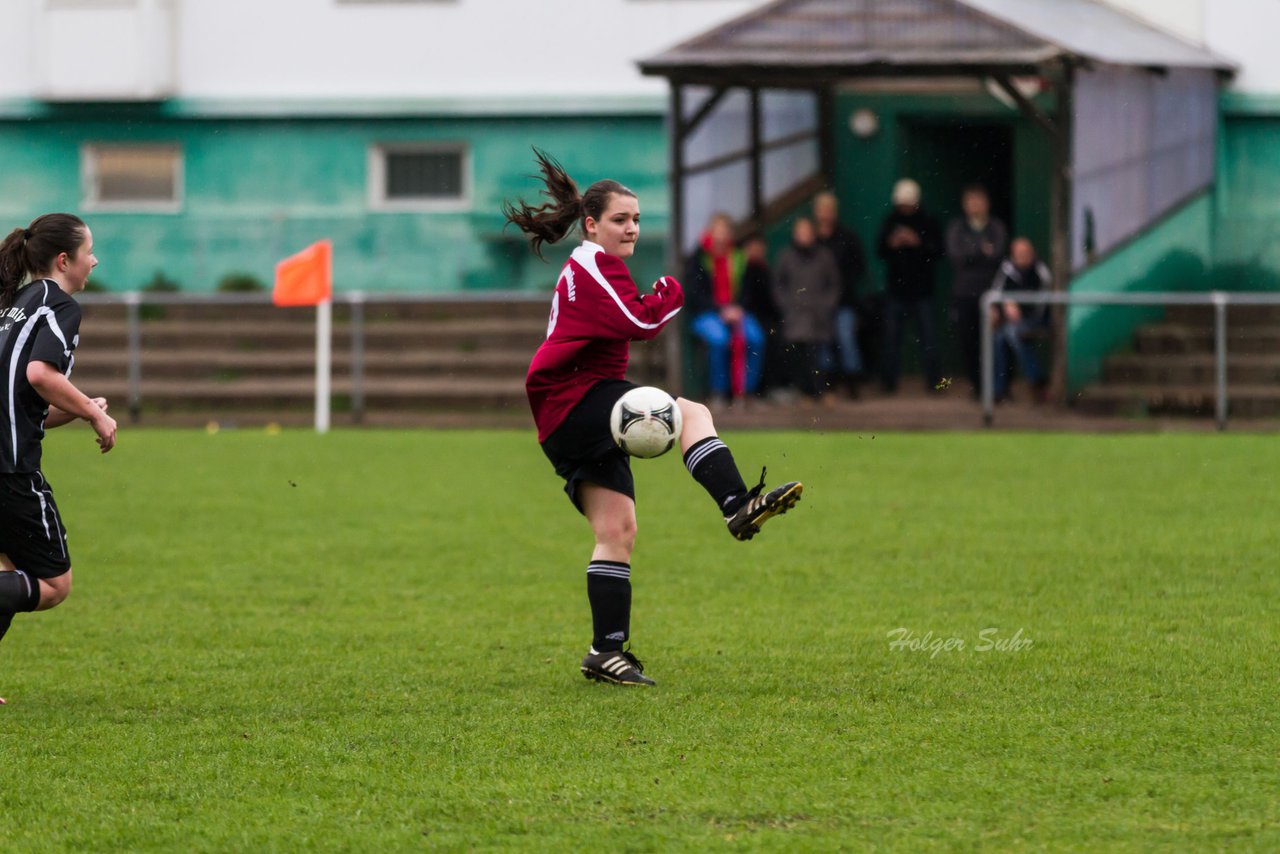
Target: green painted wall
<point x="257" y="190"/>
<point x="1247" y="226"/>
<point x="868" y="168"/>
<point x="1176" y="254"/>
<point x="1225" y="239"/>
<point x="940" y="141"/>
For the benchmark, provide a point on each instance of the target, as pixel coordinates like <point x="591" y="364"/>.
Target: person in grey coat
<point x="976" y="246"/>
<point x="807" y="287"/>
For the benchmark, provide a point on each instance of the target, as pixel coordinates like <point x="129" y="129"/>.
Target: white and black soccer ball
<point x="646" y="422"/>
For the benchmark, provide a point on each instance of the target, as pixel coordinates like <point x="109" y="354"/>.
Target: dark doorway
<point x="945" y="157"/>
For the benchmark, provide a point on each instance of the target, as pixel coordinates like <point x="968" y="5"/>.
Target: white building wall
<point x="450" y="49"/>
<point x="267" y="49"/>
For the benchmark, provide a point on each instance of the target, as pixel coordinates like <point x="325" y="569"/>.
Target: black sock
<point x="18" y="592"/>
<point x="609" y="591"/>
<point x="712" y="465"/>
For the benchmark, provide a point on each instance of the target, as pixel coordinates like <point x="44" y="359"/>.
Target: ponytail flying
<point x="551" y="222"/>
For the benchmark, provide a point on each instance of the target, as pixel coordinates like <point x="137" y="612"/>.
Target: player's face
<point x="75" y="269"/>
<point x="618" y="227"/>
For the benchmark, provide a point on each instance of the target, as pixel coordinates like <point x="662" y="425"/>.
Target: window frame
<point x="89" y="179"/>
<point x="377" y="178"/>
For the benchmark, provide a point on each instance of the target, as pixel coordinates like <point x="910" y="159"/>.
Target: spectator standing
<point x="807" y="289"/>
<point x="734" y="339"/>
<point x="910" y="244"/>
<point x="976" y="245"/>
<point x="1014" y="324"/>
<point x="851" y="262"/>
<point x="757" y="301"/>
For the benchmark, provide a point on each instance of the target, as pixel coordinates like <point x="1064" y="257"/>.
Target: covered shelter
<point x="1116" y="121"/>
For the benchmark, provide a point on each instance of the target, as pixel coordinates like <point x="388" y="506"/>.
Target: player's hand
<point x="100" y="402"/>
<point x="105" y="426"/>
<point x="663" y="285"/>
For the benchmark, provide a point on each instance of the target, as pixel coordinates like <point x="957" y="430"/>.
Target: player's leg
<point x="35" y="570"/>
<point x="711" y="463"/>
<point x="612" y="516"/>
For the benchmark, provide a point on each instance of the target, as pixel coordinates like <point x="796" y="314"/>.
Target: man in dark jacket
<point x="851" y="262"/>
<point x="910" y="244"/>
<point x="976" y="244"/>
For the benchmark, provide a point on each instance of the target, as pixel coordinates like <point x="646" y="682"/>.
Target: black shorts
<point x="31" y="531"/>
<point x="582" y="447"/>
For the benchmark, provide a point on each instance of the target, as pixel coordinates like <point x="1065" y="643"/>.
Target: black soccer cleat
<point x="616" y="667"/>
<point x="756" y="509"/>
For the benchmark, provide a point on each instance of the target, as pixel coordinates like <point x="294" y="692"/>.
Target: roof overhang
<point x="816" y="42"/>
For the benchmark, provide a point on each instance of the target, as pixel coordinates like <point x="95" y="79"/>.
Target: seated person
<point x="1014" y="323"/>
<point x="713" y="299"/>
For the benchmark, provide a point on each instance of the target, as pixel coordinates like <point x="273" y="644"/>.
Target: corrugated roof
<point x="924" y="34"/>
<point x="1100" y="32"/>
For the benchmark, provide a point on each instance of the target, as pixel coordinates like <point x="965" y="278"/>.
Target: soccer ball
<point x="645" y="422"/>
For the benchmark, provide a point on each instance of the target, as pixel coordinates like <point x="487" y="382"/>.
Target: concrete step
<point x="1237" y="315"/>
<point x="258" y="335"/>
<point x="534" y="307"/>
<point x="1166" y="338"/>
<point x="1190" y="369"/>
<point x="1244" y="401"/>
<point x="257" y="394"/>
<point x="232" y="364"/>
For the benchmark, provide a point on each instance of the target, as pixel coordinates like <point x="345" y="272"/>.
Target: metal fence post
<point x="1220" y="356"/>
<point x="357" y="356"/>
<point x="988" y="358"/>
<point x="133" y="327"/>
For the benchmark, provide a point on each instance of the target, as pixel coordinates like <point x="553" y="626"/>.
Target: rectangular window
<point x="132" y="177"/>
<point x="420" y="177"/>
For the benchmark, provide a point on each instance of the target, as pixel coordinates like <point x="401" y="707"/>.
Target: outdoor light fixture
<point x="864" y="123"/>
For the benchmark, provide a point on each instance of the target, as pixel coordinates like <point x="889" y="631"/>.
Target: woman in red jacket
<point x="578" y="374"/>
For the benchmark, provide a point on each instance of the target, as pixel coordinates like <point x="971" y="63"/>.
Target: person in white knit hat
<point x="910" y="243"/>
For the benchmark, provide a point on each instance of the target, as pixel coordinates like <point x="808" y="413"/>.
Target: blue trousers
<point x="716" y="334"/>
<point x="1013" y="337"/>
<point x="847" y="341"/>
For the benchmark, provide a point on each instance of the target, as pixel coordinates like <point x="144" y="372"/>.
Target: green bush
<point x="160" y="283"/>
<point x="240" y="283"/>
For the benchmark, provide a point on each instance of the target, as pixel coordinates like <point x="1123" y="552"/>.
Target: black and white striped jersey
<point x="43" y="325"/>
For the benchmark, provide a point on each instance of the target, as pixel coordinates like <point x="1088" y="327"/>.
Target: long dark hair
<point x="31" y="250"/>
<point x="552" y="221"/>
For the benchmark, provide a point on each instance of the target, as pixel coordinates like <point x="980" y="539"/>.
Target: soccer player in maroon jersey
<point x="578" y="374"/>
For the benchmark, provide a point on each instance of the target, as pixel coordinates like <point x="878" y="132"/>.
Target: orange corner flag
<point x="305" y="278"/>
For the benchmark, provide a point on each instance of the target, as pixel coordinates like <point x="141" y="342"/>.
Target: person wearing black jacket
<point x="757" y="301"/>
<point x="976" y="244"/>
<point x="910" y="244"/>
<point x="851" y="263"/>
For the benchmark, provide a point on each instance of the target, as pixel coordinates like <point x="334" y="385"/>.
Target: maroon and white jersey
<point x="595" y="312"/>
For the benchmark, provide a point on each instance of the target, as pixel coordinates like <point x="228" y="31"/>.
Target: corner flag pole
<point x="307" y="279"/>
<point x="324" y="362"/>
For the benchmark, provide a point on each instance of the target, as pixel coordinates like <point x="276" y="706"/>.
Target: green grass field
<point x="369" y="642"/>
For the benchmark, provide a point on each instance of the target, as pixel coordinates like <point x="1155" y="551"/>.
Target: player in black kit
<point x="40" y="267"/>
